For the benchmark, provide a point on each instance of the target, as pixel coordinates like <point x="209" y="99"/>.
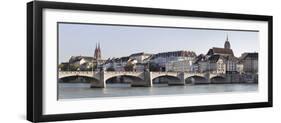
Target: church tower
<point x="227" y="44"/>
<point x="97" y="54"/>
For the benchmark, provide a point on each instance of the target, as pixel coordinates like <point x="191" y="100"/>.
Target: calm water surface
<point x="83" y="90"/>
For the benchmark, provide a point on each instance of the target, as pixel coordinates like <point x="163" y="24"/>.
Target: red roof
<point x="219" y="51"/>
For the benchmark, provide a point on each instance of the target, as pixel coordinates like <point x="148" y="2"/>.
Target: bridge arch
<point x="78" y="78"/>
<point x="124" y="77"/>
<point x="218" y="79"/>
<point x="63" y="74"/>
<point x="165" y="79"/>
<point x="161" y="74"/>
<point x="109" y="75"/>
<point x="196" y="79"/>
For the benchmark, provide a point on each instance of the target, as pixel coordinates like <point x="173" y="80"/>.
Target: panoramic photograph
<point x="106" y="60"/>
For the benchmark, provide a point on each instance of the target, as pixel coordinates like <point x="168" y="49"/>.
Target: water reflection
<point x="83" y="90"/>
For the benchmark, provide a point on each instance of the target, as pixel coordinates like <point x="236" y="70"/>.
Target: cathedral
<point x="97" y="55"/>
<point x="227" y="44"/>
<point x="222" y="60"/>
<point x="226" y="51"/>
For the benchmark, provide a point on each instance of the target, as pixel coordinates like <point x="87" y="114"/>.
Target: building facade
<point x="217" y="60"/>
<point x="250" y="62"/>
<point x="179" y="66"/>
<point x="80" y="63"/>
<point x="140" y="57"/>
<point x="217" y="64"/>
<point x="166" y="58"/>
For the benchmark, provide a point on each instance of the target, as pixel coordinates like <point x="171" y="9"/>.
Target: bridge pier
<point x="101" y="83"/>
<point x="181" y="82"/>
<point x="147" y="81"/>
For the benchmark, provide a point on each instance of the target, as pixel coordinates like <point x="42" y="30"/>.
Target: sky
<point x="118" y="41"/>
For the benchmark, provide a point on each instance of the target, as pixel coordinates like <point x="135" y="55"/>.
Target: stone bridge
<point x="144" y="78"/>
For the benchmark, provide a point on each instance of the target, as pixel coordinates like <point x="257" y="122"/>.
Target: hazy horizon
<point x="118" y="41"/>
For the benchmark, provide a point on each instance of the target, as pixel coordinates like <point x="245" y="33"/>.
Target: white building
<point x="239" y="68"/>
<point x="116" y="64"/>
<point x="140" y="57"/>
<point x="218" y="60"/>
<point x="200" y="64"/>
<point x="179" y="66"/>
<point x="221" y="67"/>
<point x="167" y="57"/>
<point x="217" y="64"/>
<point x="79" y="60"/>
<point x="120" y="63"/>
<point x="220" y="64"/>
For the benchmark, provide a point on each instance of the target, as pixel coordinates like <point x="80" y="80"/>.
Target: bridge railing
<point x="76" y="72"/>
<point x="159" y="72"/>
<point x="122" y="72"/>
<point x="164" y="72"/>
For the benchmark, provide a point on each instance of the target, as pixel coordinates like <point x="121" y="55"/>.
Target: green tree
<point x="73" y="67"/>
<point x="61" y="66"/>
<point x="154" y="67"/>
<point x="110" y="69"/>
<point x="91" y="67"/>
<point x="129" y="67"/>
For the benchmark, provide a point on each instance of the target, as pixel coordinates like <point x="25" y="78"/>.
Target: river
<point x="83" y="90"/>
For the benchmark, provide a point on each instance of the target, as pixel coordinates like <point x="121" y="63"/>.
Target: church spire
<point x="96" y="46"/>
<point x="227" y="37"/>
<point x="227" y="44"/>
<point x="99" y="46"/>
<point x="97" y="54"/>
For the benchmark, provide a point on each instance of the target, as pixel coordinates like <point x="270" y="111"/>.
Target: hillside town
<point x="219" y="60"/>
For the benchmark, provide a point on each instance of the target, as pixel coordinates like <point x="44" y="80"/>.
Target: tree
<point x="92" y="66"/>
<point x="110" y="69"/>
<point x="154" y="67"/>
<point x="63" y="66"/>
<point x="129" y="67"/>
<point x="73" y="67"/>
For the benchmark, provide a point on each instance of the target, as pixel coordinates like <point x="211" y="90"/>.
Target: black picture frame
<point x="35" y="69"/>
